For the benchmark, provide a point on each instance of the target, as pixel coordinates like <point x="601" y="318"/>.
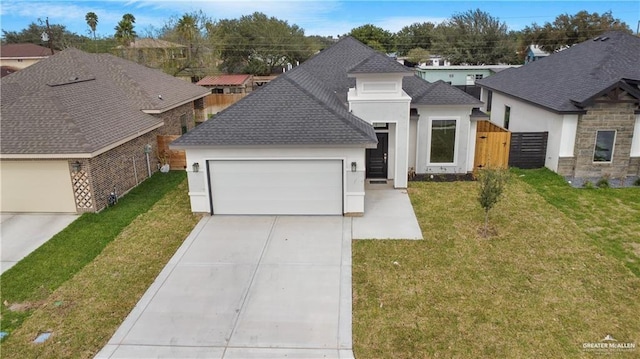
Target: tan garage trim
<point x="36" y="186"/>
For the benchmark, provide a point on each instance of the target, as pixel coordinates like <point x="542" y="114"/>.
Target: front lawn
<point x="84" y="301"/>
<point x="540" y="288"/>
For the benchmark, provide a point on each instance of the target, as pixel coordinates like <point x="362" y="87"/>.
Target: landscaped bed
<point x="113" y="257"/>
<point x="559" y="273"/>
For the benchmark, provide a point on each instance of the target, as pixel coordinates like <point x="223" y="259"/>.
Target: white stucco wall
<point x="464" y="138"/>
<point x="19" y="63"/>
<point x="529" y="118"/>
<point x="635" y="142"/>
<point x="379" y="98"/>
<point x="353" y="181"/>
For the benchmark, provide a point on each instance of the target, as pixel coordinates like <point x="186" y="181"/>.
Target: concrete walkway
<point x="388" y="214"/>
<point x="260" y="286"/>
<point x="248" y="287"/>
<point x="22" y="233"/>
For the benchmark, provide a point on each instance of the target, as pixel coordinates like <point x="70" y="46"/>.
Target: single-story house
<point x="586" y="97"/>
<point x="534" y="53"/>
<point x="226" y="90"/>
<point x="307" y="142"/>
<point x="77" y="125"/>
<point x="19" y="56"/>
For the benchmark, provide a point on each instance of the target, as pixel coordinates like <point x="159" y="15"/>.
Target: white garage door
<point x="36" y="186"/>
<point x="276" y="187"/>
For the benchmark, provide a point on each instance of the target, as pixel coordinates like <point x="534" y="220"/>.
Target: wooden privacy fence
<point x="492" y="146"/>
<point x="222" y="100"/>
<point x="177" y="160"/>
<point x="528" y="149"/>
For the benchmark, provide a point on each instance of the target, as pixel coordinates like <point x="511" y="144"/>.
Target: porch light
<point x="76" y="166"/>
<point x="196" y="167"/>
<point x="354" y="166"/>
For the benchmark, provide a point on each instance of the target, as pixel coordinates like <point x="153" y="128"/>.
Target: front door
<point x="377" y="158"/>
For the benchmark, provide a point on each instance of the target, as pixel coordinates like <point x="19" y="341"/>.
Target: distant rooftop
<point x="23" y="51"/>
<point x="224" y="80"/>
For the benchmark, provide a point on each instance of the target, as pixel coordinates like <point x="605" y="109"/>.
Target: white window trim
<point x="455" y="142"/>
<point x="613" y="148"/>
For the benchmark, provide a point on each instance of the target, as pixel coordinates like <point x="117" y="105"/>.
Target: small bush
<point x="637" y="182"/>
<point x="603" y="183"/>
<point x="588" y="185"/>
<point x="490" y="186"/>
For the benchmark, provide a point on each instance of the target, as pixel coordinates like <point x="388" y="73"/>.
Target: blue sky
<point x="316" y="17"/>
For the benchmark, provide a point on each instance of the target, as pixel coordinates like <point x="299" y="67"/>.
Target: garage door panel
<point x="276" y="187"/>
<point x="36" y="186"/>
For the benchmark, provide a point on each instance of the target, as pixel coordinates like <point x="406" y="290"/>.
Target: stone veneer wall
<point x="605" y="116"/>
<point x="124" y="166"/>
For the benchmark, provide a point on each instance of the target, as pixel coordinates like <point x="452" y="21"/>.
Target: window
<point x="183" y="123"/>
<point x="443" y="141"/>
<point x="507" y="116"/>
<point x="478" y="76"/>
<point x="450" y="76"/>
<point x="603" y="151"/>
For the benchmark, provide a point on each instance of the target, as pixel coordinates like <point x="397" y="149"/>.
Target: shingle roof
<point x="224" y="80"/>
<point x="378" y="63"/>
<point x="79" y="103"/>
<point x="7" y="70"/>
<point x="307" y="105"/>
<point x="561" y="81"/>
<point x="23" y="51"/>
<point x="436" y="93"/>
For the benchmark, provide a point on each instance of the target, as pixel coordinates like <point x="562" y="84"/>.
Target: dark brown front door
<point x="377" y="158"/>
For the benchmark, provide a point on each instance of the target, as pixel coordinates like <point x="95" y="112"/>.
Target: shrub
<point x="491" y="183"/>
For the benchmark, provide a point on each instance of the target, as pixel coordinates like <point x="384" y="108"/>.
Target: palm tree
<point x="186" y="28"/>
<point x="125" y="33"/>
<point x="92" y="21"/>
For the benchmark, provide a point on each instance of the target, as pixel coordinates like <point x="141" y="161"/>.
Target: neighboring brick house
<point x="588" y="100"/>
<point x="76" y="125"/>
<point x="19" y="56"/>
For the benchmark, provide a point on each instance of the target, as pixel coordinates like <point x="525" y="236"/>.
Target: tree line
<point x="259" y="44"/>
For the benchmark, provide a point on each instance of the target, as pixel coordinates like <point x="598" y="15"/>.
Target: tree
<point x="491" y="183"/>
<point x="417" y="35"/>
<point x="567" y="30"/>
<point x="418" y="55"/>
<point x="125" y="34"/>
<point x="375" y="37"/>
<point x="61" y="37"/>
<point x="189" y="30"/>
<point x="475" y="38"/>
<point x="258" y="44"/>
<point x="92" y="22"/>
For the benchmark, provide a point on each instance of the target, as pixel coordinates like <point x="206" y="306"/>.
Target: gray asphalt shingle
<point x="561" y="81"/>
<point x="75" y="102"/>
<point x="308" y="105"/>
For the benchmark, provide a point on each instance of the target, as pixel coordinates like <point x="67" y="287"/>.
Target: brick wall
<point x="566" y="166"/>
<point x="125" y="166"/>
<point x="171" y="118"/>
<point x="605" y="116"/>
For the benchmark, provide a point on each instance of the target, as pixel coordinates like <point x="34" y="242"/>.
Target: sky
<point x="326" y="18"/>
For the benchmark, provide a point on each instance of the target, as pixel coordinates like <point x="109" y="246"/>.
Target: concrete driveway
<point x="22" y="233"/>
<point x="248" y="287"/>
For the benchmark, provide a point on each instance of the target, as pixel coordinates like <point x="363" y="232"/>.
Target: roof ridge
<point x="324" y="104"/>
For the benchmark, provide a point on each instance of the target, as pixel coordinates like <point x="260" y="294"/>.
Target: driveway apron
<point x="248" y="287"/>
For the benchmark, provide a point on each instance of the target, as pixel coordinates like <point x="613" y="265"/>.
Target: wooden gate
<point x="177" y="160"/>
<point x="528" y="149"/>
<point x="492" y="146"/>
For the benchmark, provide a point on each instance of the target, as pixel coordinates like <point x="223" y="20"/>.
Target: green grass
<point x="85" y="311"/>
<point x="34" y="278"/>
<point x="539" y="288"/>
<point x="611" y="217"/>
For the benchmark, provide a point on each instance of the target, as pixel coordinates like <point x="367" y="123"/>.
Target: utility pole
<point x="47" y="36"/>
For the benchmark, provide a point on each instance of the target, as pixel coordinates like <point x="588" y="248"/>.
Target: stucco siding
<point x="36" y="186"/>
<point x="353" y="181"/>
<point x="529" y="118"/>
<point x="463" y="162"/>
